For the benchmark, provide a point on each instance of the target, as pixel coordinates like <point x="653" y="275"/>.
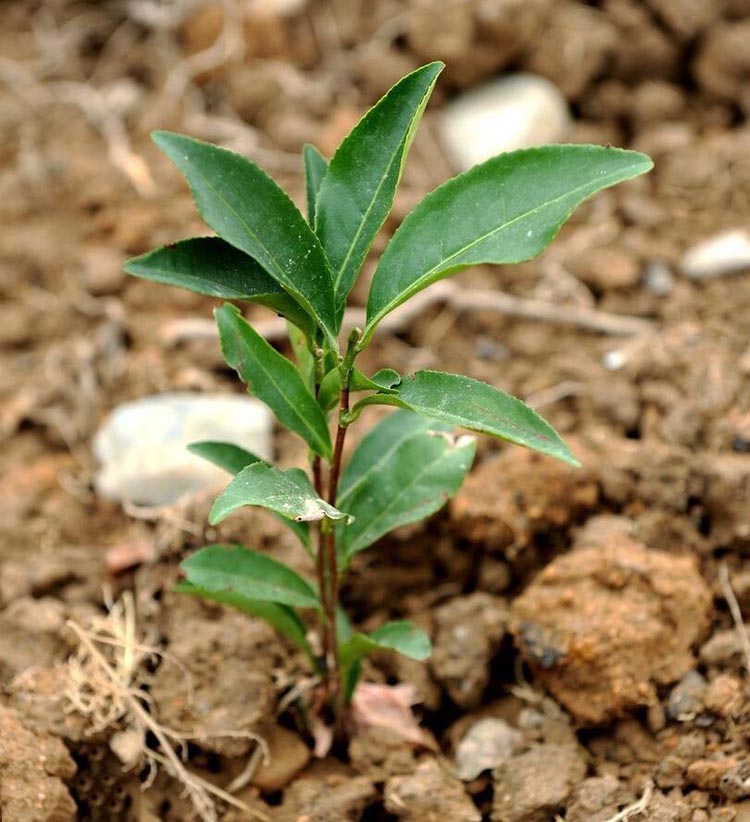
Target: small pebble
<point x="686" y="698"/>
<point x="658" y="278"/>
<point x="487" y="745"/>
<point x="722" y="254"/>
<point x="142" y="445"/>
<point x="505" y="114"/>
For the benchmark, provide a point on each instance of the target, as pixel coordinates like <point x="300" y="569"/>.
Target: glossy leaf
<point x="404" y="470"/>
<point x="232" y="458"/>
<point x="505" y="210"/>
<point x="226" y="455"/>
<point x="357" y="191"/>
<point x="281" y="617"/>
<point x="399" y="635"/>
<point x="316" y="166"/>
<point x="209" y="265"/>
<point x="245" y="207"/>
<point x="273" y="379"/>
<point x="462" y="401"/>
<point x="237" y="570"/>
<point x="288" y="493"/>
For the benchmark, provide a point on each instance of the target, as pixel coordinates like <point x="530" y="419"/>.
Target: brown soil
<point x="585" y="609"/>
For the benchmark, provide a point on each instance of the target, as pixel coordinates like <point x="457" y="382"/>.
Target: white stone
<point x="487" y="744"/>
<point x="658" y="279"/>
<point x="511" y="112"/>
<point x="142" y="445"/>
<point x="281" y="7"/>
<point x="721" y="254"/>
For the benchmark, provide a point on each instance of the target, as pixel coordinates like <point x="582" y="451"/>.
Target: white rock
<point x="281" y="7"/>
<point x="722" y="254"/>
<point x="142" y="445"/>
<point x="487" y="745"/>
<point x="515" y="111"/>
<point x="658" y="279"/>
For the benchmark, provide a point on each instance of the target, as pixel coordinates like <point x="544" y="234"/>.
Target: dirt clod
<point x="467" y="634"/>
<point x="225" y="688"/>
<point x="519" y="493"/>
<point x="535" y="785"/>
<point x="429" y="794"/>
<point x="32" y="767"/>
<point x="603" y="625"/>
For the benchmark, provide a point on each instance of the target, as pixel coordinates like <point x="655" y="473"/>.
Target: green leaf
<point x="400" y="636"/>
<point x="210" y="266"/>
<point x="281" y="617"/>
<point x="245" y="207"/>
<point x="302" y="354"/>
<point x="383" y="380"/>
<point x="316" y="166"/>
<point x="357" y="191"/>
<point x="232" y="458"/>
<point x="505" y="210"/>
<point x="226" y="455"/>
<point x="330" y="387"/>
<point x="405" y="469"/>
<point x="288" y="493"/>
<point x="273" y="379"/>
<point x="237" y="570"/>
<point x="462" y="401"/>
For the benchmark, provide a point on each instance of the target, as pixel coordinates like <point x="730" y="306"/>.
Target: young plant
<point x="505" y="210"/>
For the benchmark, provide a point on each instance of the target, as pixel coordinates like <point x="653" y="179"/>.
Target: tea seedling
<point x="505" y="210"/>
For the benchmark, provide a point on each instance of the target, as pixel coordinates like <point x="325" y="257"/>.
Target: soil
<point x="586" y="612"/>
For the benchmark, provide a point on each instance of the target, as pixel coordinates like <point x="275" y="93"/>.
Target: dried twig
<point x="734" y="610"/>
<point x="459" y="299"/>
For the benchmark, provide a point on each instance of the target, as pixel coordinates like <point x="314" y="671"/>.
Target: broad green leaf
<point x="210" y="266"/>
<point x="401" y="473"/>
<point x="283" y="618"/>
<point x="232" y="458"/>
<point x="273" y="379"/>
<point x="379" y="445"/>
<point x="237" y="570"/>
<point x="226" y="455"/>
<point x="288" y="493"/>
<point x="357" y="191"/>
<point x="245" y="207"/>
<point x="505" y="210"/>
<point x="462" y="401"/>
<point x="400" y="636"/>
<point x="316" y="166"/>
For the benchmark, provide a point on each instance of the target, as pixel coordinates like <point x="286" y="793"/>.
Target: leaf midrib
<point x="272" y="587"/>
<point x="378" y="463"/>
<point x="446" y="261"/>
<point x="366" y="216"/>
<point x="368" y="527"/>
<point x="305" y="422"/>
<point x="283" y="278"/>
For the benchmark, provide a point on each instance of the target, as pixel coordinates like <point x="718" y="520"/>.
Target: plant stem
<point x="328" y="539"/>
<point x="320" y="560"/>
